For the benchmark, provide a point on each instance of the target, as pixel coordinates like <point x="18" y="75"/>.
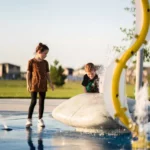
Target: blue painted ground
<point x="55" y="136"/>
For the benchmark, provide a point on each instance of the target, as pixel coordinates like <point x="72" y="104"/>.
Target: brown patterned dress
<point x="38" y="70"/>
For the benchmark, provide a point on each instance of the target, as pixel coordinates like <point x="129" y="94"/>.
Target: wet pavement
<point x="55" y="136"/>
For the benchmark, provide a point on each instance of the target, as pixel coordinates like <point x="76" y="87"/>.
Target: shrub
<point x="57" y="76"/>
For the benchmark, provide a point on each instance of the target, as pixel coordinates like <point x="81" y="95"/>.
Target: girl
<point x="37" y="76"/>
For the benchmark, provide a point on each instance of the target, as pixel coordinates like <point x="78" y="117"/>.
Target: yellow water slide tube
<point x="121" y="64"/>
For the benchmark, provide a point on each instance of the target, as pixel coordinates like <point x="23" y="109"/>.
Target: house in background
<point x="69" y="73"/>
<point x="131" y="75"/>
<point x="23" y="75"/>
<point x="9" y="71"/>
<point x="78" y="74"/>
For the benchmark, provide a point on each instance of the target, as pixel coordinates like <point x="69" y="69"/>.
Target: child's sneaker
<point x="28" y="123"/>
<point x="41" y="123"/>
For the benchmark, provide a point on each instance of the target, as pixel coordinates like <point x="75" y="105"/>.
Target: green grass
<point x="130" y="90"/>
<point x="17" y="89"/>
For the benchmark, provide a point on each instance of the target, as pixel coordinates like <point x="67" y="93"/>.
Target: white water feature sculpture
<point x="86" y="112"/>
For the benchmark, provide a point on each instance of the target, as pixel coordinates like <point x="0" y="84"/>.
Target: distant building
<point x="69" y="73"/>
<point x="79" y="72"/>
<point x="9" y="71"/>
<point x="131" y="75"/>
<point x="23" y="75"/>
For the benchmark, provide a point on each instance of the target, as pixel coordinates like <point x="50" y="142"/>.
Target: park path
<point x="23" y="104"/>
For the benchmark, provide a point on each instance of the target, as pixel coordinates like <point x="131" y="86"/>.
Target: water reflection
<point x="76" y="140"/>
<point x="40" y="140"/>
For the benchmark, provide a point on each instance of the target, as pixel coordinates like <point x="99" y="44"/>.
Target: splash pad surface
<point x="54" y="136"/>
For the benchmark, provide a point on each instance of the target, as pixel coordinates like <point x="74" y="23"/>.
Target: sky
<point x="76" y="31"/>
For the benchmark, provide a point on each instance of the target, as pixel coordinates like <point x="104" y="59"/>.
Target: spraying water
<point x="109" y="57"/>
<point x="4" y="124"/>
<point x="141" y="108"/>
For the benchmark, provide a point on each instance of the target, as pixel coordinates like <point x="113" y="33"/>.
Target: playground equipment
<point x="119" y="107"/>
<point x="83" y="113"/>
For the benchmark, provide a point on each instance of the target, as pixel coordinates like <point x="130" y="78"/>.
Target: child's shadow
<point x="30" y="142"/>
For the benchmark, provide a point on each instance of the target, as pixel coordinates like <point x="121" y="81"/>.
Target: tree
<point x="129" y="34"/>
<point x="57" y="76"/>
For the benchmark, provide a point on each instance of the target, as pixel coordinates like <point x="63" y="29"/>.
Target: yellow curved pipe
<point x="120" y="112"/>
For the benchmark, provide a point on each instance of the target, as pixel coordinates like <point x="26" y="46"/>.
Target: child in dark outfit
<point x="90" y="79"/>
<point x="37" y="77"/>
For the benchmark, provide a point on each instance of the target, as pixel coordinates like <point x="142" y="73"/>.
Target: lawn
<point x="17" y="89"/>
